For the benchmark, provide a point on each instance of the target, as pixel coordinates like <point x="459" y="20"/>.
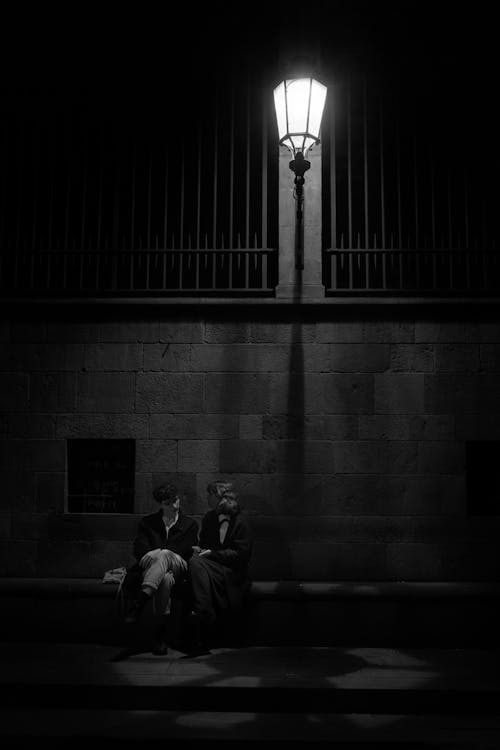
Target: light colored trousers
<point x="160" y="574"/>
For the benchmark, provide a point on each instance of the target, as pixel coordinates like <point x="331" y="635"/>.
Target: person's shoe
<point x="160" y="647"/>
<point x="135" y="611"/>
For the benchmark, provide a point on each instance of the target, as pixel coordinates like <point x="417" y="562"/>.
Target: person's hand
<point x="205" y="552"/>
<point x="150" y="557"/>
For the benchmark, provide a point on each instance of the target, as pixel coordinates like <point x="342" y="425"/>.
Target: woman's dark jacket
<point x="236" y="550"/>
<point x="152" y="534"/>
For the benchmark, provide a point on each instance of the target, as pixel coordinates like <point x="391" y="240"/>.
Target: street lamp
<point x="299" y="104"/>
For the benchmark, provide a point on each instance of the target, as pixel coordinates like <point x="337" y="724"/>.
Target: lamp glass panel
<point x="318" y="96"/>
<point x="280" y="106"/>
<point x="297" y="101"/>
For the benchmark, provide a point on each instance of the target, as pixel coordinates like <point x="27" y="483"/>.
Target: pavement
<point x="352" y="697"/>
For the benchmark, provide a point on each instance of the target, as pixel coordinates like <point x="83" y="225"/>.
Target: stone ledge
<point x="70" y="588"/>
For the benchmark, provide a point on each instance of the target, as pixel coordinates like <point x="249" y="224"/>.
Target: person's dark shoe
<point x="135" y="610"/>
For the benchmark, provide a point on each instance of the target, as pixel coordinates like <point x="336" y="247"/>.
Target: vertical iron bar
<point x="231" y="172"/>
<point x="349" y="175"/>
<point x="132" y="212"/>
<point x="182" y="197"/>
<point x="333" y="175"/>
<point x="35" y="197"/>
<point x="466" y="206"/>
<point x="247" y="186"/>
<point x="365" y="162"/>
<point x="433" y="200"/>
<point x="198" y="194"/>
<point x="150" y="169"/>
<point x="20" y="162"/>
<point x="216" y="156"/>
<point x="398" y="180"/>
<point x="84" y="195"/>
<point x="382" y="172"/>
<point x="165" y="204"/>
<point x="99" y="208"/>
<point x="264" y="170"/>
<point x="450" y="242"/>
<point x="415" y="182"/>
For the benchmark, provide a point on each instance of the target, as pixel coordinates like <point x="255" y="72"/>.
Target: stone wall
<point x="344" y="432"/>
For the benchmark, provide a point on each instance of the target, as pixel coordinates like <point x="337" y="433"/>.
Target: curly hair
<point x="228" y="504"/>
<point x="219" y="488"/>
<point x="166" y="493"/>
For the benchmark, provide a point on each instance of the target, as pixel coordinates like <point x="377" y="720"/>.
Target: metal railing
<point x="140" y="273"/>
<point x="412" y="272"/>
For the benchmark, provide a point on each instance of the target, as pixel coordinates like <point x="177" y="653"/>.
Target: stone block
<point x="349" y="332"/>
<point x="73" y="331"/>
<point x="250" y="427"/>
<point x="388" y="331"/>
<point x="384" y="427"/>
<point x="18" y="488"/>
<point x="194" y="426"/>
<point x="238" y="393"/>
<point x="339" y="561"/>
<point x="441" y="457"/>
<point x="489" y="355"/>
<point x="432" y="427"/>
<point x="122" y="357"/>
<point x="308" y="358"/>
<point x="14" y="391"/>
<point x="462" y="394"/>
<point x="359" y="357"/>
<point x="156" y="455"/>
<point x="417" y="561"/>
<point x="106" y="392"/>
<point x="92" y="527"/>
<point x="143" y="496"/>
<point x="130" y="329"/>
<point x="31" y="425"/>
<point x="50" y="491"/>
<point x="109" y="426"/>
<point x="18" y="559"/>
<point x="477" y="427"/>
<point x="227" y="332"/>
<point x="28" y="331"/>
<point x="41" y="357"/>
<point x="412" y="358"/>
<point x="292" y="493"/>
<point x="105" y="555"/>
<point x="53" y="392"/>
<point x="239" y="358"/>
<point x="40" y="455"/>
<point x="181" y="331"/>
<point x="457" y="357"/>
<point x="399" y="394"/>
<point x="308" y="457"/>
<point x="317" y="427"/>
<point x="279" y="332"/>
<point x="489" y="333"/>
<point x="169" y="392"/>
<point x="29" y="526"/>
<point x="4" y="331"/>
<point x="5" y="525"/>
<point x="370" y="457"/>
<point x="167" y="357"/>
<point x="448" y="332"/>
<point x="322" y="394"/>
<point x="271" y="561"/>
<point x="248" y="456"/>
<point x="198" y="455"/>
<point x="65" y="559"/>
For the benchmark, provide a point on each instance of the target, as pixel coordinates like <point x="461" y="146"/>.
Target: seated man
<point x="162" y="547"/>
<point x="218" y="569"/>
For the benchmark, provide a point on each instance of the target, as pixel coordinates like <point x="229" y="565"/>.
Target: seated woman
<point x="218" y="569"/>
<point x="162" y="548"/>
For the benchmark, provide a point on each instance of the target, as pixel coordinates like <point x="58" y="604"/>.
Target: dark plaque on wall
<point x="101" y="476"/>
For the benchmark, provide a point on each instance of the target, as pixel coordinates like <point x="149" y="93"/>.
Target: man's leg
<point x="201" y="587"/>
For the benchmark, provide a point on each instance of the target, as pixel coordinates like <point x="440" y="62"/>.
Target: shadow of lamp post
<point x="299" y="104"/>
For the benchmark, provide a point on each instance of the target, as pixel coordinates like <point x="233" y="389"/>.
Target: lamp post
<point x="299" y="104"/>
